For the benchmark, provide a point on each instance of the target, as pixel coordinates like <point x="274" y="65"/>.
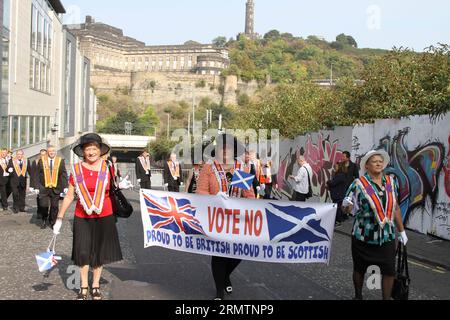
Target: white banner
<point x="257" y="230"/>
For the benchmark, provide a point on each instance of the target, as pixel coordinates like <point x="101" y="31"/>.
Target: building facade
<point x="46" y="96"/>
<point x="109" y="49"/>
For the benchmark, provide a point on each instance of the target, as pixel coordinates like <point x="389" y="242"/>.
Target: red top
<point x="91" y="182"/>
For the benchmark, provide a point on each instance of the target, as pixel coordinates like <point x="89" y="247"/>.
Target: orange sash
<point x="90" y="204"/>
<point x="4" y="165"/>
<point x="19" y="172"/>
<point x="144" y="164"/>
<point x="220" y="176"/>
<point x="383" y="214"/>
<point x="51" y="178"/>
<point x="174" y="172"/>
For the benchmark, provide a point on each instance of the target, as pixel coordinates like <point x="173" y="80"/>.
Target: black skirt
<point x="366" y="255"/>
<point x="95" y="242"/>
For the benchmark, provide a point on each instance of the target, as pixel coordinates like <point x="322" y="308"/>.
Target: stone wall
<point x="158" y="88"/>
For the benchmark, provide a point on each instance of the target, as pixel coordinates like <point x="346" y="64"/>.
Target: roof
<point x="57" y="6"/>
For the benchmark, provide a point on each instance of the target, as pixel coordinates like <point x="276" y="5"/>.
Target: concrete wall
<point x="419" y="151"/>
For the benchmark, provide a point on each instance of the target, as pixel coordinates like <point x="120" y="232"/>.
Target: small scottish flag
<point x="46" y="261"/>
<point x="242" y="180"/>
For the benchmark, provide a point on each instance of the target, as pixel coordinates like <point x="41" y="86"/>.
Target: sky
<point x="374" y="24"/>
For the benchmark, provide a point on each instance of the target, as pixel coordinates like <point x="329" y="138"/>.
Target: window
<point x="33" y="28"/>
<point x="31" y="131"/>
<point x="67" y="95"/>
<point x="14" y="132"/>
<point x="37" y="129"/>
<point x="23" y="131"/>
<point x="41" y="47"/>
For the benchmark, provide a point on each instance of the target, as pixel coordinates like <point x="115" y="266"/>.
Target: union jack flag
<point x="177" y="215"/>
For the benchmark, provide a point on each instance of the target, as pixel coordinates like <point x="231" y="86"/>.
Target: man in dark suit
<point x="33" y="180"/>
<point x="52" y="181"/>
<point x="4" y="178"/>
<point x="18" y="179"/>
<point x="173" y="174"/>
<point x="352" y="168"/>
<point x="143" y="170"/>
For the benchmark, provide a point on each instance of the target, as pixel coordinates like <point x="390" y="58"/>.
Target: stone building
<point x="108" y="49"/>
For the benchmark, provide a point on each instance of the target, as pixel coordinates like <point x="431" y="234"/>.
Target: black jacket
<point x="33" y="173"/>
<point x="168" y="176"/>
<point x="17" y="181"/>
<point x="63" y="180"/>
<point x="338" y="187"/>
<point x="352" y="173"/>
<point x="140" y="172"/>
<point x="4" y="180"/>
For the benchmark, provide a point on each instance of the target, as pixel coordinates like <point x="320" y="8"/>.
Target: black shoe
<point x="15" y="211"/>
<point x="44" y="225"/>
<point x="5" y="209"/>
<point x="337" y="224"/>
<point x="219" y="296"/>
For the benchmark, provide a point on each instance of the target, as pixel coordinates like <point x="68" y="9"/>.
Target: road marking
<point x="436" y="269"/>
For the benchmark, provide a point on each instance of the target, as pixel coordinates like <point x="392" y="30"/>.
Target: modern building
<point x="46" y="96"/>
<point x="108" y="49"/>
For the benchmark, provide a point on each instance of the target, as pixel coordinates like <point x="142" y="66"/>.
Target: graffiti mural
<point x="417" y="170"/>
<point x="447" y="170"/>
<point x="322" y="157"/>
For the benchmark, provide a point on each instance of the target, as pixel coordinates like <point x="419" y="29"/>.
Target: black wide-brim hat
<point x="229" y="141"/>
<point x="90" y="138"/>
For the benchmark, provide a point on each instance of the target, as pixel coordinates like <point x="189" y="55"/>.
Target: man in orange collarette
<point x="173" y="174"/>
<point x="19" y="176"/>
<point x="52" y="181"/>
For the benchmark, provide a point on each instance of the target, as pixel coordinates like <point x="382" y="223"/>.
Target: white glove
<point x="66" y="190"/>
<point x="31" y="190"/>
<point x="347" y="202"/>
<point x="125" y="184"/>
<point x="176" y="178"/>
<point x="138" y="180"/>
<point x="57" y="227"/>
<point x="10" y="170"/>
<point x="36" y="191"/>
<point x="403" y="238"/>
<point x="166" y="185"/>
<point x="181" y="183"/>
<point x="258" y="189"/>
<point x="5" y="174"/>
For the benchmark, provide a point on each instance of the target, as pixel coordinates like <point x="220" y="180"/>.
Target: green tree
<point x="272" y="34"/>
<point x="161" y="149"/>
<point x="220" y="41"/>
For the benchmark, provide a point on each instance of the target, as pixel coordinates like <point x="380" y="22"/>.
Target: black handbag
<point x="121" y="206"/>
<point x="402" y="280"/>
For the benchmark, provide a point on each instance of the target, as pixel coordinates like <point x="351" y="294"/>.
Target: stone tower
<point x="250" y="19"/>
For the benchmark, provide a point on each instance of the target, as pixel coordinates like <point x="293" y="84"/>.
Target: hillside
<point x="288" y="59"/>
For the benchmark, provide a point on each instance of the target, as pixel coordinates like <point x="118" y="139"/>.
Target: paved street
<point x="158" y="273"/>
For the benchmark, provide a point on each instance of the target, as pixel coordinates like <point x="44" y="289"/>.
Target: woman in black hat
<point x="215" y="178"/>
<point x="95" y="237"/>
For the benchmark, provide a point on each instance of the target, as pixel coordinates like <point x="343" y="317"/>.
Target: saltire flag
<point x="46" y="261"/>
<point x="242" y="180"/>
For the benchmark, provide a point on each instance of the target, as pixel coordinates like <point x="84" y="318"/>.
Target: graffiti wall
<point x="419" y="151"/>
